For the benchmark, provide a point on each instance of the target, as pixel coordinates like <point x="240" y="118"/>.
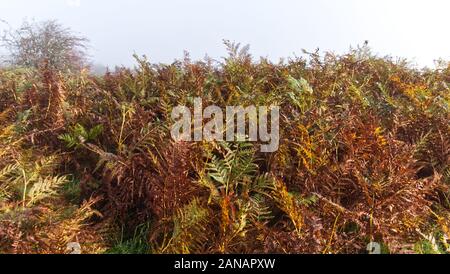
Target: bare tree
<point x="48" y="42"/>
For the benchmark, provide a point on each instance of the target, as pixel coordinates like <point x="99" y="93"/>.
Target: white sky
<point x="416" y="29"/>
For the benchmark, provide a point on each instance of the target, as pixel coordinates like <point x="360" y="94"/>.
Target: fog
<point x="164" y="29"/>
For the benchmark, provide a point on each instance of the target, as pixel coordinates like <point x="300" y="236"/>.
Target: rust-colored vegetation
<point x="364" y="157"/>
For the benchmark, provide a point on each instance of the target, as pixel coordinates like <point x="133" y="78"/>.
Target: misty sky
<point x="417" y="29"/>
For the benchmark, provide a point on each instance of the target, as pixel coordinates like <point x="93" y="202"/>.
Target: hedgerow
<point x="364" y="157"/>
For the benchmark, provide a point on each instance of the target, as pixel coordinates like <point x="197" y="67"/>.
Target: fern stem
<point x="24" y="188"/>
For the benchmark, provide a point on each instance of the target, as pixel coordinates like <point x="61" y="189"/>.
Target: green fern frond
<point x="70" y="141"/>
<point x="300" y="94"/>
<point x="79" y="135"/>
<point x="236" y="167"/>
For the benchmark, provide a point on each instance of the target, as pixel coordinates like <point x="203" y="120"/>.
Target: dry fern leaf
<point x="45" y="188"/>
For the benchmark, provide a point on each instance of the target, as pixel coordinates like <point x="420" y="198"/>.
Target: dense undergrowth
<point x="364" y="157"/>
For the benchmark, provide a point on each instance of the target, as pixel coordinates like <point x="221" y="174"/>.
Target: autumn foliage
<point x="364" y="157"/>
